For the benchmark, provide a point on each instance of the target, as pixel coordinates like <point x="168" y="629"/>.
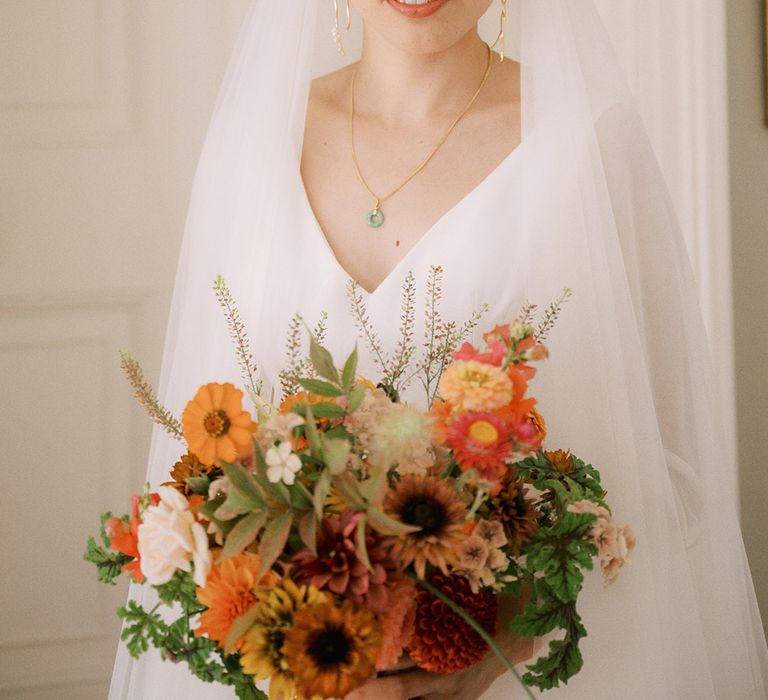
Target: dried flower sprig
<point x="239" y="336"/>
<point x="363" y="322"/>
<point x="441" y="337"/>
<point x="299" y="365"/>
<point x="405" y="346"/>
<point x="145" y="395"/>
<point x="551" y="315"/>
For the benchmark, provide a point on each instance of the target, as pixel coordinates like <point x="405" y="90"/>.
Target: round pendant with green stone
<point x="375" y="217"/>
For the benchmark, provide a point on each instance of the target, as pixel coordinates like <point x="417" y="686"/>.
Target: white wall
<point x="103" y="105"/>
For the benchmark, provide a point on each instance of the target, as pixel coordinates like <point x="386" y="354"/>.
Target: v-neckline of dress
<point x="439" y="222"/>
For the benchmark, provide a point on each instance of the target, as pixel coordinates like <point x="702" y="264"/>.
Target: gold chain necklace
<point x="375" y="217"/>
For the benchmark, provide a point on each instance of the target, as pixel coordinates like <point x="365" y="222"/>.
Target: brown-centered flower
<point x="215" y="425"/>
<point x="516" y="512"/>
<point x="331" y="649"/>
<point x="433" y="506"/>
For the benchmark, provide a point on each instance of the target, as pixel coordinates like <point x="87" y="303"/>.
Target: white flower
<point x="278" y="428"/>
<point x="170" y="539"/>
<point x="282" y="464"/>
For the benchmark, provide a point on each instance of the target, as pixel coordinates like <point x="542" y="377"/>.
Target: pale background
<point x="103" y="107"/>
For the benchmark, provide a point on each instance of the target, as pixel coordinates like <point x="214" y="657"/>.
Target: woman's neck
<point x="397" y="87"/>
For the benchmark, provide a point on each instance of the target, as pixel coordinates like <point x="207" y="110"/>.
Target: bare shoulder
<point x="504" y="83"/>
<point x="329" y="92"/>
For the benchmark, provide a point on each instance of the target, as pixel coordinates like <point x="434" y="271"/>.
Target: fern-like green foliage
<point x="141" y="629"/>
<point x="176" y="639"/>
<point x="108" y="563"/>
<point x="555" y="561"/>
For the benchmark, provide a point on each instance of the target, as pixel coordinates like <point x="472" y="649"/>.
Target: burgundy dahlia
<point x="337" y="568"/>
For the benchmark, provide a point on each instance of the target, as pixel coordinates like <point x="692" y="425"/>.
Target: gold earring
<point x="502" y="24"/>
<point x="336" y="33"/>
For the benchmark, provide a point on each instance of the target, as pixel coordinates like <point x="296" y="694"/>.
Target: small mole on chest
<point x="397" y="244"/>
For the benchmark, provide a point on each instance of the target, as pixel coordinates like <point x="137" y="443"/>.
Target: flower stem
<point x="475" y="626"/>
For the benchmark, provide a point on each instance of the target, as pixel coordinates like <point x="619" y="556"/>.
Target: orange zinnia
<point x="229" y="592"/>
<point x="215" y="425"/>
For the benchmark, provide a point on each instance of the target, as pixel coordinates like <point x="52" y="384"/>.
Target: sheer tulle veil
<point x="636" y="398"/>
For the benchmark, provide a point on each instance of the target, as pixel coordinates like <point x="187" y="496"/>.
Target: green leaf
<point x="374" y="488"/>
<point x="347" y="485"/>
<point x="356" y="398"/>
<point x="321" y="388"/>
<point x="335" y="454"/>
<point x="313" y="437"/>
<point x="562" y="662"/>
<point x="141" y="628"/>
<point x="385" y="525"/>
<point x="239" y="627"/>
<point x="244" y="484"/>
<point x="537" y="620"/>
<point x="321" y="410"/>
<point x="242" y="534"/>
<point x="234" y="505"/>
<point x="349" y="372"/>
<point x="322" y="489"/>
<point x="180" y="589"/>
<point x="361" y="548"/>
<point x="198" y="484"/>
<point x="248" y="691"/>
<point x="322" y="361"/>
<point x="109" y="564"/>
<point x="301" y="498"/>
<point x="308" y="531"/>
<point x="273" y="541"/>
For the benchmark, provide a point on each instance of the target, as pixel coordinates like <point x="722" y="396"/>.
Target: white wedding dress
<point x="580" y="203"/>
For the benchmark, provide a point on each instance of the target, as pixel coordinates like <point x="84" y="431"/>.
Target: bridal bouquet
<point x="342" y="529"/>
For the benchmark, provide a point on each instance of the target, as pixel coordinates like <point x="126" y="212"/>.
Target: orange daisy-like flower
<point x="230" y="591"/>
<point x="433" y="505"/>
<point x="215" y="425"/>
<point x="482" y="441"/>
<point x="331" y="649"/>
<point x="442" y="642"/>
<point x="561" y="460"/>
<point x="475" y="386"/>
<point x="539" y="423"/>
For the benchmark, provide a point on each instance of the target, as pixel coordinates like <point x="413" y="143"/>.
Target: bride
<point x="518" y="176"/>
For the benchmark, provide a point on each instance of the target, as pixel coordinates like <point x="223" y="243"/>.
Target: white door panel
<point x="103" y="106"/>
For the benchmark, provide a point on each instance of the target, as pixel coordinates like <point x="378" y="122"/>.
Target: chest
<point x="386" y="157"/>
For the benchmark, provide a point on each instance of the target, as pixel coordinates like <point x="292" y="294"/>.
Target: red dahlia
<point x="442" y="642"/>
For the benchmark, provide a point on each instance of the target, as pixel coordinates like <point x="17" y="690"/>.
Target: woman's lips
<point x="417" y="11"/>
